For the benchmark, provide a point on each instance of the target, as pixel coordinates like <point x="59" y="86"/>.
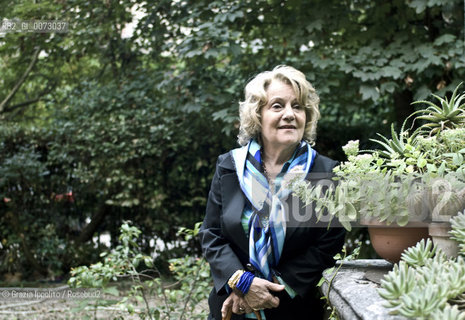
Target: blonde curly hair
<point x="256" y="98"/>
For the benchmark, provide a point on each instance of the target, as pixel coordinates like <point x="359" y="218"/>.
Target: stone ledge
<point x="353" y="295"/>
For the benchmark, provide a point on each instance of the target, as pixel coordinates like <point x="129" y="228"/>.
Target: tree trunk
<point x="89" y="229"/>
<point x="403" y="105"/>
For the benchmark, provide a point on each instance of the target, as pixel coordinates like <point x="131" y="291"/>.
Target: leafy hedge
<point x="113" y="153"/>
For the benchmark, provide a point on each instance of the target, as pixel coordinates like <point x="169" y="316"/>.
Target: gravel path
<point x="64" y="303"/>
<point x="57" y="303"/>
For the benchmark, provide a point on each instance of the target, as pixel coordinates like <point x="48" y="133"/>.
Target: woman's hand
<point x="259" y="295"/>
<point x="236" y="304"/>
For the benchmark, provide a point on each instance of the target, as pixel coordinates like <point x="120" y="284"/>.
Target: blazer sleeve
<point x="215" y="247"/>
<point x="302" y="272"/>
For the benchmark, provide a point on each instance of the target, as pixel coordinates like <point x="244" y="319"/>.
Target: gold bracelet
<point x="235" y="278"/>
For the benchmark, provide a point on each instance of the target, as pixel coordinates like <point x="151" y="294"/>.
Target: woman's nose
<point x="288" y="112"/>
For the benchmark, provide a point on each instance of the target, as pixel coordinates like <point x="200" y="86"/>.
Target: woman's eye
<point x="297" y="106"/>
<point x="276" y="106"/>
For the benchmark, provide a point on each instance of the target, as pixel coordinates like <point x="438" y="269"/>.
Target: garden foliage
<point x="149" y="295"/>
<point x="98" y="125"/>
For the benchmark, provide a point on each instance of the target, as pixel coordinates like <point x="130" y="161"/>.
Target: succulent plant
<point x="419" y="254"/>
<point x="458" y="230"/>
<point x="455" y="278"/>
<point x="421" y="302"/>
<point x="426" y="284"/>
<point x="400" y="281"/>
<point x="448" y="114"/>
<point x="459" y="301"/>
<point x="400" y="145"/>
<point x="447" y="313"/>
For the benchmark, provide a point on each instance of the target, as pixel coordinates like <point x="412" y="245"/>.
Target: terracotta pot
<point x="439" y="231"/>
<point x="390" y="241"/>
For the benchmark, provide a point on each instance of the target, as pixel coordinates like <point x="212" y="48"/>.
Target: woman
<point x="265" y="255"/>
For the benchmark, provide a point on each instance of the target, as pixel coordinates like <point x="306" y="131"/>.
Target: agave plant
<point x="400" y="144"/>
<point x="447" y="114"/>
<point x="403" y="151"/>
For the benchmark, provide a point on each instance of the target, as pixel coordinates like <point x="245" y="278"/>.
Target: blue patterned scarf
<point x="266" y="236"/>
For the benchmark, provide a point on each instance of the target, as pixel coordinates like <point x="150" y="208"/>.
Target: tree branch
<point x="47" y="90"/>
<point x="18" y="85"/>
<point x="22" y="104"/>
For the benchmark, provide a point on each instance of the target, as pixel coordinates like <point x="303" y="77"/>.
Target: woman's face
<point x="283" y="118"/>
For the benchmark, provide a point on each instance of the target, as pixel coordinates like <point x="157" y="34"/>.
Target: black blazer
<point x="308" y="249"/>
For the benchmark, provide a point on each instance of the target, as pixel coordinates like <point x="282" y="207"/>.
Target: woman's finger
<point x="274" y="286"/>
<point x="238" y="308"/>
<point x="227" y="304"/>
<point x="259" y="295"/>
<point x="243" y="305"/>
<point x="247" y="309"/>
<point x="273" y="301"/>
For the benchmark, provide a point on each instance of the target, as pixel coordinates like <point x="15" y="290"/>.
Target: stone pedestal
<point x="354" y="290"/>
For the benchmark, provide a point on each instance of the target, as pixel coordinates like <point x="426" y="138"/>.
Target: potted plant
<point x="445" y="126"/>
<point x="415" y="177"/>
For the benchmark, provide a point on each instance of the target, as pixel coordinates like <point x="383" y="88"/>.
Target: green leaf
<point x="369" y="92"/>
<point x="320" y="283"/>
<point x="442" y="169"/>
<point x="445" y="38"/>
<point x="457" y="159"/>
<point x="392" y="72"/>
<point x="111" y="290"/>
<point x="350" y="211"/>
<point x="346" y="224"/>
<point x="421" y="162"/>
<point x="418" y="5"/>
<point x="314" y="25"/>
<point x="388" y="87"/>
<point x="403" y="220"/>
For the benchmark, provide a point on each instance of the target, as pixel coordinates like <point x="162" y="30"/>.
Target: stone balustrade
<point x="354" y="290"/>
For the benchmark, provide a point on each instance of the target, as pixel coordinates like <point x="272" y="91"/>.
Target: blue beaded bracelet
<point x="245" y="281"/>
